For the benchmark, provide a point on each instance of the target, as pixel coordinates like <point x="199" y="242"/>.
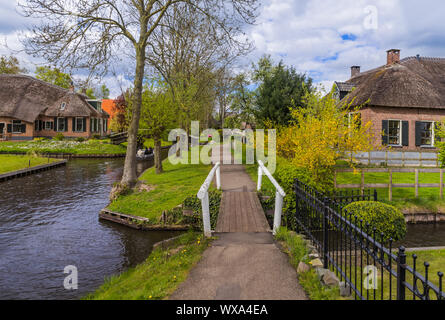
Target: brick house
<point x="404" y="100"/>
<point x="31" y="108"/>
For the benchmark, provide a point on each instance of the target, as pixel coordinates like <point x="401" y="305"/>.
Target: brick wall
<point x="377" y="114"/>
<point x="19" y="136"/>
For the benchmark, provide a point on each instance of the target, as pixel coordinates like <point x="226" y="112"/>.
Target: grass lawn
<point x="157" y="277"/>
<point x="9" y="163"/>
<point x="170" y="189"/>
<point x="66" y="146"/>
<point x="403" y="198"/>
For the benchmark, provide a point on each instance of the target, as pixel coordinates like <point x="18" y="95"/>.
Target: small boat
<point x="144" y="155"/>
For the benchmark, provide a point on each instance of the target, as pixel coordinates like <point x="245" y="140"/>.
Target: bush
<point x="59" y="137"/>
<point x="194" y="204"/>
<point x="80" y="139"/>
<point x="96" y="136"/>
<point x="384" y="218"/>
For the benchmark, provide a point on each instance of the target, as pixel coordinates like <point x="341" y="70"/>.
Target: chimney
<point x="355" y="71"/>
<point x="393" y="56"/>
<point x="72" y="86"/>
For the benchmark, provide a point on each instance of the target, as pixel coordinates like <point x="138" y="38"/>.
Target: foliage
<point x="440" y="141"/>
<point x="280" y="88"/>
<point x="121" y="118"/>
<point x="10" y="65"/>
<point x="296" y="248"/>
<point x="59" y="137"/>
<point x="54" y="76"/>
<point x="169" y="190"/>
<point x="194" y="204"/>
<point x="80" y="139"/>
<point x="65" y="146"/>
<point x="319" y="135"/>
<point x="384" y="218"/>
<point x="157" y="277"/>
<point x="241" y="101"/>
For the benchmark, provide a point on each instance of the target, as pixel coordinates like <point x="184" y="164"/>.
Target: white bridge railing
<point x="279" y="195"/>
<point x="203" y="195"/>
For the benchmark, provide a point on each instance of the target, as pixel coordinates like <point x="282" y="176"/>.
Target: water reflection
<point x="50" y="220"/>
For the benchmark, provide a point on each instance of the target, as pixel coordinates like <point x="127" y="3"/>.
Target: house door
<point x="2" y="127"/>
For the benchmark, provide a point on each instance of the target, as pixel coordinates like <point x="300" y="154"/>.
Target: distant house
<point x="404" y="99"/>
<point x="109" y="106"/>
<point x="31" y="108"/>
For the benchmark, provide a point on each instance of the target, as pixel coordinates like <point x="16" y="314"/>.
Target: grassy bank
<point x="10" y="163"/>
<point x="65" y="146"/>
<point x="403" y="198"/>
<point x="159" y="275"/>
<point x="164" y="191"/>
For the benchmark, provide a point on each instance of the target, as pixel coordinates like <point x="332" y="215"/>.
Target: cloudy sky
<point x="322" y="38"/>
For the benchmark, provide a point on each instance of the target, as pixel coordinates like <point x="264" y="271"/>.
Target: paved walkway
<point x="243" y="263"/>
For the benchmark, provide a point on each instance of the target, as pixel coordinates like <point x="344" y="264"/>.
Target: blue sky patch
<point x="349" y="37"/>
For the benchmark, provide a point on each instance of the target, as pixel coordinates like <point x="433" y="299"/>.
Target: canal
<point x="50" y="220"/>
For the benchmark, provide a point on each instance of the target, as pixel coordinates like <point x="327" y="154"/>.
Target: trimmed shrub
<point x="80" y="139"/>
<point x="59" y="137"/>
<point x="384" y="218"/>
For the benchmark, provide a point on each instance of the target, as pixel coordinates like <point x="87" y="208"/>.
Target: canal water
<point x="50" y="220"/>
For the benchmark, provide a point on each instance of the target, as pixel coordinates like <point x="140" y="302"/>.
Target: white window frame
<point x="63" y="106"/>
<point x="400" y="133"/>
<point x="58" y="123"/>
<point x="19" y="123"/>
<point x="46" y="128"/>
<point x="433" y="134"/>
<point x="75" y="124"/>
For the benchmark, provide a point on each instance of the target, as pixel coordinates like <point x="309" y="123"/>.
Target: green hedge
<point x="385" y="218"/>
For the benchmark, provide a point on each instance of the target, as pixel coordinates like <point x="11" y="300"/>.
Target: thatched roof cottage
<point x="32" y="108"/>
<point x="404" y="99"/>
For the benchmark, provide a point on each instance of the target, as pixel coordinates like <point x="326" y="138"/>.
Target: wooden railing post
<point x="390" y="184"/>
<point x="416" y="172"/>
<point x="441" y="184"/>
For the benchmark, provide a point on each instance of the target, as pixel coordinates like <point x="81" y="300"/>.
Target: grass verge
<point x="295" y="247"/>
<point x="157" y="277"/>
<point x="66" y="146"/>
<point x="166" y="190"/>
<point x="10" y="163"/>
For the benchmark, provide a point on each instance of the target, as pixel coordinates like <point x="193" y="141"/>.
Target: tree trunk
<point x="158" y="158"/>
<point x="129" y="176"/>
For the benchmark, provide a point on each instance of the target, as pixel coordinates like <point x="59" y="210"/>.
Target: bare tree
<point x="91" y="34"/>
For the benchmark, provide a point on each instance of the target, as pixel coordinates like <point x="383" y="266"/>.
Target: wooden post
<point x="403" y="158"/>
<point x="386" y="158"/>
<point x="390" y="184"/>
<point x="362" y="186"/>
<point x="420" y="159"/>
<point x="369" y="158"/>
<point x="417" y="182"/>
<point x="441" y="184"/>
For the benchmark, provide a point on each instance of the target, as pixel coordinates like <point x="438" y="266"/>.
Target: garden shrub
<point x="384" y="218"/>
<point x="80" y="139"/>
<point x="59" y="137"/>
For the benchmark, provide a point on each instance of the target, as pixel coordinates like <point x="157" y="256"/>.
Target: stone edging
<point x="32" y="170"/>
<point x="138" y="223"/>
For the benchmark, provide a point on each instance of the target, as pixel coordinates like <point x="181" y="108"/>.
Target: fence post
<point x="441" y="184"/>
<point x="390" y="184"/>
<point x="277" y="214"/>
<point x="335" y="179"/>
<point x="218" y="178"/>
<point x="375" y="195"/>
<point x="416" y="171"/>
<point x="401" y="273"/>
<point x="206" y="215"/>
<point x="325" y="234"/>
<point x="260" y="177"/>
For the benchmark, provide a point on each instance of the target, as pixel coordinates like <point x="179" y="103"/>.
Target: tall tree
<point x="90" y="33"/>
<point x="241" y="100"/>
<point x="10" y="65"/>
<point x="54" y="76"/>
<point x="158" y="115"/>
<point x="280" y="88"/>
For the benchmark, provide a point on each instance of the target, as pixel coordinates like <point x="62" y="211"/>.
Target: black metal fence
<point x="358" y="255"/>
<point x="345" y="197"/>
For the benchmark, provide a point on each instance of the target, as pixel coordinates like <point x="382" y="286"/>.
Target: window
<point x="427" y="134"/>
<point x="60" y="124"/>
<point x="79" y="125"/>
<point x="355" y="118"/>
<point x="48" y="125"/>
<point x="395" y="132"/>
<point x="62" y="106"/>
<point x="16" y="126"/>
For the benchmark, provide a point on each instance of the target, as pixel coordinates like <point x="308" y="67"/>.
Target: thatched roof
<point x="25" y="98"/>
<point x="413" y="82"/>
